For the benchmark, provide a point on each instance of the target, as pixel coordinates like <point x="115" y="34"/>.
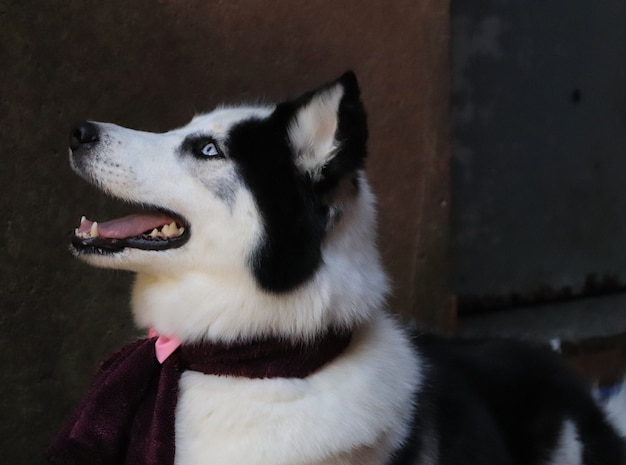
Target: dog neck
<point x="264" y="358"/>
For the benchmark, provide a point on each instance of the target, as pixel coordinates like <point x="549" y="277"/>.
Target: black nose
<point x="83" y="133"/>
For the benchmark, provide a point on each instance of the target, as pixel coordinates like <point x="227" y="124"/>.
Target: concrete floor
<point x="573" y="321"/>
<point x="590" y="333"/>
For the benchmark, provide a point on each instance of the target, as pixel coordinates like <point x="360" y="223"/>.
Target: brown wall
<point x="152" y="65"/>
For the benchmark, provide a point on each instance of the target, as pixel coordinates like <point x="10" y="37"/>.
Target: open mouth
<point x="158" y="230"/>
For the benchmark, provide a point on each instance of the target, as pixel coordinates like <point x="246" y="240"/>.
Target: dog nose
<point x="83" y="133"/>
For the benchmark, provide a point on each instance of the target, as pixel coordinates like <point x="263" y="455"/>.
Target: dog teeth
<point x="93" y="232"/>
<point x="167" y="231"/>
<point x="171" y="230"/>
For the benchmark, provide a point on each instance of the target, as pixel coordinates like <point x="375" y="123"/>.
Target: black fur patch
<point x="291" y="202"/>
<point x="504" y="403"/>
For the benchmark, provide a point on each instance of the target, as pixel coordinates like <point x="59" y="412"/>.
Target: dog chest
<point x="351" y="411"/>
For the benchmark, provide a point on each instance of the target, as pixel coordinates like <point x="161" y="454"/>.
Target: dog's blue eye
<point x="202" y="147"/>
<point x="209" y="150"/>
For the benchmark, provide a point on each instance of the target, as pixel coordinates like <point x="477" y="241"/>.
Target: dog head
<point x="248" y="196"/>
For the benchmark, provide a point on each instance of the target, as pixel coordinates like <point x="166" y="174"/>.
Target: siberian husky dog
<point x="258" y="221"/>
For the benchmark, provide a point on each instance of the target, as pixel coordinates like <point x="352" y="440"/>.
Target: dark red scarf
<point x="127" y="415"/>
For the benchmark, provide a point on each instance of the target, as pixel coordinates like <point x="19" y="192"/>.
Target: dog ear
<point x="328" y="132"/>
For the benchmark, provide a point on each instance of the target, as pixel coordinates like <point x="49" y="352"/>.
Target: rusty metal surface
<point x="538" y="161"/>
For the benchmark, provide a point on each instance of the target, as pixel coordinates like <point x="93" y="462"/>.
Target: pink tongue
<point x="128" y="226"/>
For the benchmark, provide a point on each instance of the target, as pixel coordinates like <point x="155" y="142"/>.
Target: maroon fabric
<point x="127" y="415"/>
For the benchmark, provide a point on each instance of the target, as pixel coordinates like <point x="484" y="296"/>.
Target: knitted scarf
<point x="127" y="415"/>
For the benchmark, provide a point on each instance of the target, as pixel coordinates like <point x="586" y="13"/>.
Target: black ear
<point x="328" y="131"/>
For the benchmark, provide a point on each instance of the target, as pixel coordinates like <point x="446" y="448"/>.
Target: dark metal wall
<point x="539" y="158"/>
<point x="152" y="65"/>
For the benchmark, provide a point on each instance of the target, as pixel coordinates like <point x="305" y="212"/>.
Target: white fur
<point x="569" y="450"/>
<point x="355" y="410"/>
<point x="615" y="409"/>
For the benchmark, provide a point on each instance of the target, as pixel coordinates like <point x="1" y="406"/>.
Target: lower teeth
<point x="153" y="238"/>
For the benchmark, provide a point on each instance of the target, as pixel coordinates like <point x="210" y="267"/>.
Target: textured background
<point x="539" y="113"/>
<point x="151" y="65"/>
